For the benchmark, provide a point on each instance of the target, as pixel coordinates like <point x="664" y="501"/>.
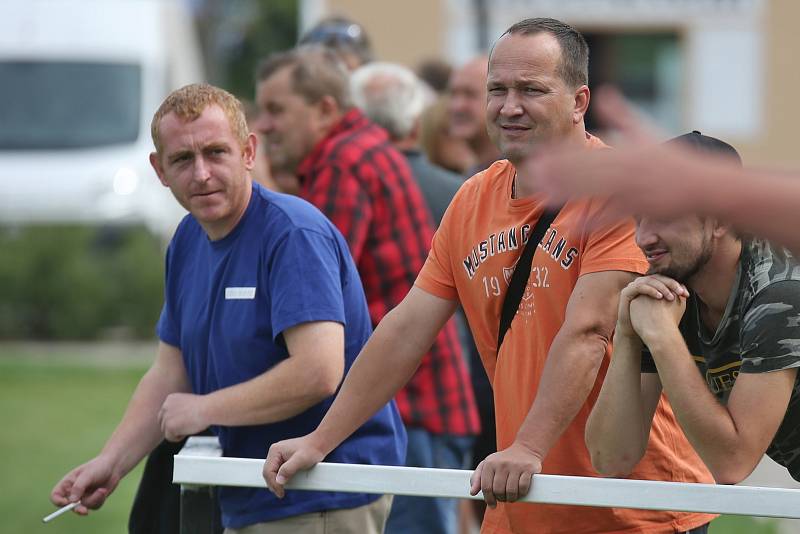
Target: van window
<point x="59" y="105"/>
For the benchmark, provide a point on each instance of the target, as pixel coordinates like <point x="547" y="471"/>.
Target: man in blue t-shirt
<point x="263" y="315"/>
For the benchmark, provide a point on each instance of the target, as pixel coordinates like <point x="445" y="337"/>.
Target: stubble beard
<point x="684" y="273"/>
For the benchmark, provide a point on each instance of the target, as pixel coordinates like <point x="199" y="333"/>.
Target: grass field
<point x="55" y="416"/>
<point x="56" y="410"/>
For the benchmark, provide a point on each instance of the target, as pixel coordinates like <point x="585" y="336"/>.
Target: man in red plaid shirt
<point x="347" y="167"/>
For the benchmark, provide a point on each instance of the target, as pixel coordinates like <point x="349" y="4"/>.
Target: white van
<point x="79" y="83"/>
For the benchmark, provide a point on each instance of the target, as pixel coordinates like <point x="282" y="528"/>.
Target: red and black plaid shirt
<point x="365" y="187"/>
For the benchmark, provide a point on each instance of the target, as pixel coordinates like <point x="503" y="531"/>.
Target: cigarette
<point x="62" y="510"/>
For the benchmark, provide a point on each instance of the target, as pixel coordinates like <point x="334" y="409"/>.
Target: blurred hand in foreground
<point x="641" y="175"/>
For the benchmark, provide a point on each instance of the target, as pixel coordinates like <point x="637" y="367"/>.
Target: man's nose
<point x="263" y="123"/>
<point x="511" y="105"/>
<point x="645" y="234"/>
<point x="202" y="172"/>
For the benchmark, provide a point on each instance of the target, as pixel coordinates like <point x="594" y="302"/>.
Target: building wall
<point x="404" y="32"/>
<point x="781" y="142"/>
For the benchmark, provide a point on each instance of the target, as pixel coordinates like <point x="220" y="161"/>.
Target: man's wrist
<point x="321" y="441"/>
<point x="662" y="339"/>
<point x="117" y="462"/>
<point x="529" y="444"/>
<point x="626" y="337"/>
<point x="205" y="410"/>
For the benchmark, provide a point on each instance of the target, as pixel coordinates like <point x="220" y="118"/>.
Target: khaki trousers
<point x="367" y="519"/>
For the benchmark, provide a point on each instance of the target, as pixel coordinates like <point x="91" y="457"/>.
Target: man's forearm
<point x="139" y="431"/>
<point x="288" y="389"/>
<point x="707" y="424"/>
<point x="310" y="374"/>
<point x="569" y="374"/>
<point x="617" y="430"/>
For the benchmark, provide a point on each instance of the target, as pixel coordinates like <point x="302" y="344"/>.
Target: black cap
<point x="709" y="145"/>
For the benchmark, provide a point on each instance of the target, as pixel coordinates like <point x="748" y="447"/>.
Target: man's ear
<point x="249" y="151"/>
<point x="582" y="97"/>
<point x="720" y="229"/>
<point x="329" y="111"/>
<point x="155" y="161"/>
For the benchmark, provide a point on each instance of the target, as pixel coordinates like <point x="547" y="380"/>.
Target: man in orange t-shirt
<point x="565" y="316"/>
<point x="547" y="374"/>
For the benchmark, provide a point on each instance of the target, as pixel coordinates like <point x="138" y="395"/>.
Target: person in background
<point x="467" y="111"/>
<point x="350" y="43"/>
<point x="439" y="145"/>
<point x="263" y="315"/>
<point x="436" y="73"/>
<point x="392" y="97"/>
<point x="344" y="37"/>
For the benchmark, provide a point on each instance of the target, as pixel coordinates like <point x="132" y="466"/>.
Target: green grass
<point x="730" y="524"/>
<point x="55" y="416"/>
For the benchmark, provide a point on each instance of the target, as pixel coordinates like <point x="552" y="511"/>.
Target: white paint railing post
<point x="199" y="510"/>
<point x="548" y="489"/>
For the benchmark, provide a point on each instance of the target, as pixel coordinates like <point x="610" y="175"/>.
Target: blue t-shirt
<point x="226" y="305"/>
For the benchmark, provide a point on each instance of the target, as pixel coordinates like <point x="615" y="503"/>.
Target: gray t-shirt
<point x="759" y="332"/>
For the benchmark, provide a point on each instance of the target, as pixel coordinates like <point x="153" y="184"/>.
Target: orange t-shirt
<point x="471" y="260"/>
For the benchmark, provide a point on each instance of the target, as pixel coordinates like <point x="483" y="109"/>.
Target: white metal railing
<point x="549" y="489"/>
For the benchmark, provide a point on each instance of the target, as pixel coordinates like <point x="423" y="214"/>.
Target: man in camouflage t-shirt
<point x="714" y="302"/>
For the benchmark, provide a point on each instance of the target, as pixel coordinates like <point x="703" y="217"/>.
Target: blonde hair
<point x="190" y="101"/>
<point x="442" y="148"/>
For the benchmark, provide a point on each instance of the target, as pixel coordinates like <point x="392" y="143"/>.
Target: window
<point x="60" y="105"/>
<point x="647" y="67"/>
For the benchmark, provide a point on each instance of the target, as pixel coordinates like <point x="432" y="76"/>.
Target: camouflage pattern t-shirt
<point x="759" y="332"/>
